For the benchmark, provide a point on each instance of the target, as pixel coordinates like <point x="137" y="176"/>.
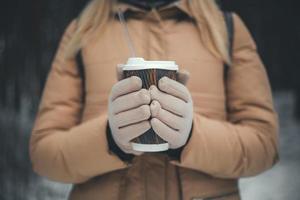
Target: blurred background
<point x="29" y="34"/>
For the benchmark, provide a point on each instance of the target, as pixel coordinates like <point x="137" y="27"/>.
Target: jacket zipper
<point x="122" y="185"/>
<point x="179" y="182"/>
<point x="144" y="177"/>
<point x="166" y="179"/>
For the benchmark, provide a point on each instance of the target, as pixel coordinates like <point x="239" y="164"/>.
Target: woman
<point x="218" y="130"/>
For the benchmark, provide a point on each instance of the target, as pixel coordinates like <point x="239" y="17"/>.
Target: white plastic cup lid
<point x="136" y="63"/>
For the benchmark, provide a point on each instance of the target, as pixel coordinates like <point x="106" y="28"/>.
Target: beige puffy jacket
<point x="235" y="126"/>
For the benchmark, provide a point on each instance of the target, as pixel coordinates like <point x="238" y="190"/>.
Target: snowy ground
<point x="281" y="182"/>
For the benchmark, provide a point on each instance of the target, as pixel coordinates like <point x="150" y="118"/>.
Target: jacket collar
<point x="180" y="5"/>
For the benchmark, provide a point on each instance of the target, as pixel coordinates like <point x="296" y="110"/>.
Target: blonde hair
<point x="209" y="17"/>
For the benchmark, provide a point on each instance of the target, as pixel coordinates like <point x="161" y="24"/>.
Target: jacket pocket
<point x="200" y="186"/>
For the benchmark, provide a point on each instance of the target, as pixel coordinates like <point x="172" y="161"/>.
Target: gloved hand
<point x="171" y="111"/>
<point x="129" y="112"/>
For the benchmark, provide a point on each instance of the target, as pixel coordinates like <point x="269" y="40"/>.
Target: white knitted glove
<point x="171" y="111"/>
<point x="129" y="112"/>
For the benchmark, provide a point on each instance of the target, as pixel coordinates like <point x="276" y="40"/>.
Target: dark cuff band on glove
<point x="113" y="147"/>
<point x="175" y="154"/>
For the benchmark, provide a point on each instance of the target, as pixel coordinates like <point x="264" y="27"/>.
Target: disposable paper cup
<point x="150" y="72"/>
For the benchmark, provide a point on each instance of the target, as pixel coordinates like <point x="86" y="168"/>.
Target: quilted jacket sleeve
<point x="61" y="147"/>
<point x="247" y="143"/>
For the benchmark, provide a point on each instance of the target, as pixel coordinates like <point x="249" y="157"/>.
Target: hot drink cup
<point x="150" y="72"/>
